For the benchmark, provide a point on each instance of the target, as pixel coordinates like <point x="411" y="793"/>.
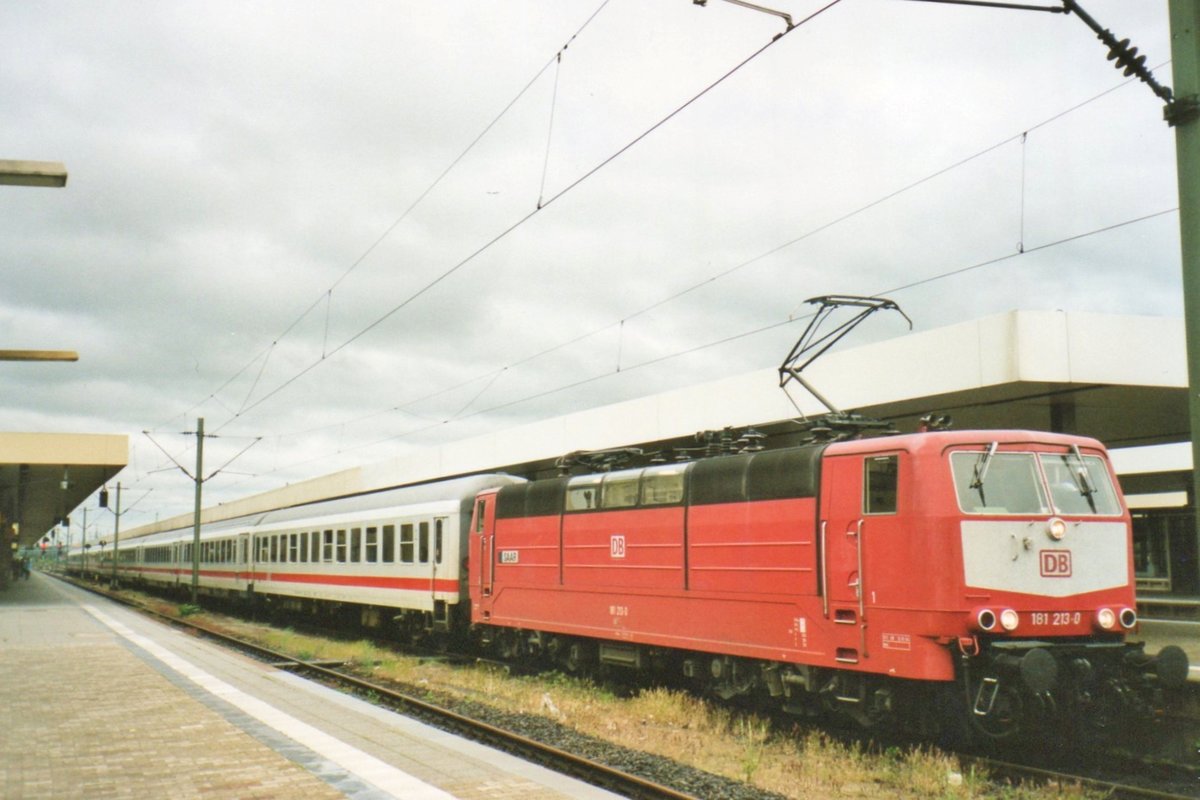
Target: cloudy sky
<point x="347" y="230"/>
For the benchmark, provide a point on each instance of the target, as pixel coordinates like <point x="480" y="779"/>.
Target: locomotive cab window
<point x="988" y="482"/>
<point x="1079" y="484"/>
<point x="880" y="481"/>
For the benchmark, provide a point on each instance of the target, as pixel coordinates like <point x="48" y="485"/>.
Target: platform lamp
<point x="116" y="526"/>
<point x="50" y="174"/>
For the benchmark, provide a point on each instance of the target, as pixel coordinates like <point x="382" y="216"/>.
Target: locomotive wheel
<point x="1004" y="718"/>
<point x="1103" y="708"/>
<point x="577" y="657"/>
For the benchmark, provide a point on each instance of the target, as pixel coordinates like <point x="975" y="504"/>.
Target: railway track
<point x="1181" y="787"/>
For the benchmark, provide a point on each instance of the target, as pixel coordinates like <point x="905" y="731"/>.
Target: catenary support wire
<point x="729" y="271"/>
<point x="520" y="222"/>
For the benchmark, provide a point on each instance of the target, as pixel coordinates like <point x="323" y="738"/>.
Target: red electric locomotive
<point x="985" y="573"/>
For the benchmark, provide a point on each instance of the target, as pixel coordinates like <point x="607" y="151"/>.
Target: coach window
<point x="315" y="544"/>
<point x="663" y="485"/>
<point x="389" y="543"/>
<point x="879" y="484"/>
<point x="423" y="548"/>
<point x="356" y="544"/>
<point x="274" y="549"/>
<point x="438" y="524"/>
<point x="294" y="548"/>
<point x="327" y="556"/>
<point x="341" y="547"/>
<point x="406" y="543"/>
<point x="621" y="489"/>
<point x="583" y="493"/>
<point x="303" y="545"/>
<point x="371" y="543"/>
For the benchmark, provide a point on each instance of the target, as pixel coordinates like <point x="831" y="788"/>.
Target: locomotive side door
<point x="483" y="534"/>
<point x="858" y="501"/>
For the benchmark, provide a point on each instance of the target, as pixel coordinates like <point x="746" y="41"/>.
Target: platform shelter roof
<point x="1121" y="379"/>
<point x="44" y="476"/>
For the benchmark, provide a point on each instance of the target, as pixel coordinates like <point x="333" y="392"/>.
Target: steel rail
<point x="1111" y="789"/>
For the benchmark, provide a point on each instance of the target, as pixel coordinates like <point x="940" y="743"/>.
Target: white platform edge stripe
<point x="363" y="765"/>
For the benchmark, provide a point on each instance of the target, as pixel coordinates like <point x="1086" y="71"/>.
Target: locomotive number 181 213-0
<point x="1055" y="617"/>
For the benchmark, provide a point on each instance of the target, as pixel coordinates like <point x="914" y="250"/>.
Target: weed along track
<point x="648" y="742"/>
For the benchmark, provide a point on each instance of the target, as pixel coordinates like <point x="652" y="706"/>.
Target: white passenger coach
<point x="397" y="554"/>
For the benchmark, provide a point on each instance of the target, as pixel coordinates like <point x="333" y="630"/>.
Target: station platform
<point x="97" y="701"/>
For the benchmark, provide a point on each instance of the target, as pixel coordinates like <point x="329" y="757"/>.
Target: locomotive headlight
<point x="1056" y="528"/>
<point x="1106" y="619"/>
<point x="1128" y="618"/>
<point x="985" y="619"/>
<point x="1009" y="619"/>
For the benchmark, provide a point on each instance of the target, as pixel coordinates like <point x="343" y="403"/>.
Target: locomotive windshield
<point x="1079" y="484"/>
<point x="1006" y="483"/>
<point x="1012" y="483"/>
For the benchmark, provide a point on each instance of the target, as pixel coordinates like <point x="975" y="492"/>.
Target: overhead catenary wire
<point x="265" y="353"/>
<point x="780" y="323"/>
<point x="447" y="273"/>
<point x="491" y="375"/>
<point x="494" y="374"/>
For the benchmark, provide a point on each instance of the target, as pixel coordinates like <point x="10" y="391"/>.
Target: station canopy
<point x="1118" y="378"/>
<point x="45" y="476"/>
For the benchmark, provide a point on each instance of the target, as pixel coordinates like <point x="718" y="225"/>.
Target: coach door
<point x="436" y="556"/>
<point x="242" y="559"/>
<point x="858" y="502"/>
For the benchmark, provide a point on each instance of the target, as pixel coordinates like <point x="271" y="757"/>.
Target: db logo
<point x="616" y="546"/>
<point x="1056" y="563"/>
